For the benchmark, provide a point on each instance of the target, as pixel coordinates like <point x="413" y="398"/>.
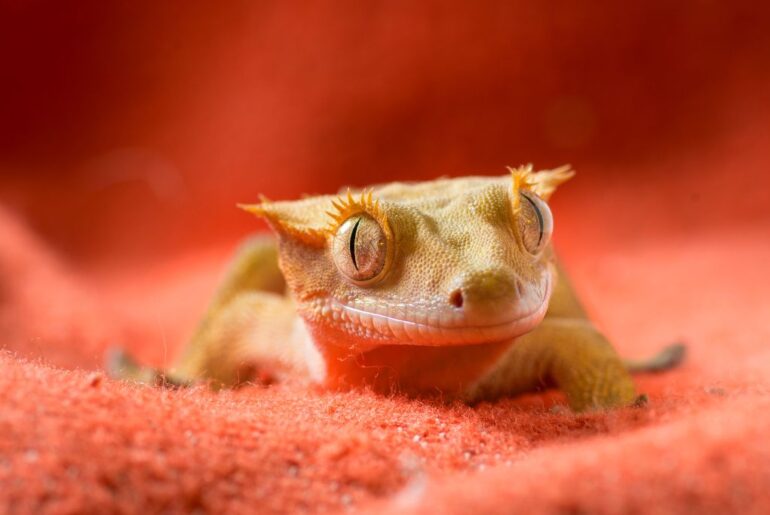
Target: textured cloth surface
<point x="129" y="131"/>
<point x="71" y="440"/>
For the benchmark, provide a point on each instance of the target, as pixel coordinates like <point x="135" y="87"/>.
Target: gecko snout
<point x="485" y="291"/>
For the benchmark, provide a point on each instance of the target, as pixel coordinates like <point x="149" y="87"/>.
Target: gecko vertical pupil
<point x="359" y="248"/>
<point x="352" y="244"/>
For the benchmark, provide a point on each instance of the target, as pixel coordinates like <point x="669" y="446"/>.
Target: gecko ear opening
<point x="301" y="220"/>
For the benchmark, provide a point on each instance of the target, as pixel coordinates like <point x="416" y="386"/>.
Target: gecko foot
<point x="121" y="365"/>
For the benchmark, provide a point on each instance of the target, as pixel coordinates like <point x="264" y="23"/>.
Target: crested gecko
<point x="448" y="286"/>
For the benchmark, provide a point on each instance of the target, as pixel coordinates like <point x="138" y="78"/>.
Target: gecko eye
<point x="534" y="223"/>
<point x="360" y="248"/>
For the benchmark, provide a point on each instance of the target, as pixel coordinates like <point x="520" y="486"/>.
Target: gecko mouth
<point x="389" y="324"/>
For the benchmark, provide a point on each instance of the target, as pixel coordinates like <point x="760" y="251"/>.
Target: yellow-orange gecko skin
<point x="447" y="286"/>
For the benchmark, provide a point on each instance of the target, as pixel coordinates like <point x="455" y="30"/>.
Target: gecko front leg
<point x="249" y="326"/>
<point x="569" y="353"/>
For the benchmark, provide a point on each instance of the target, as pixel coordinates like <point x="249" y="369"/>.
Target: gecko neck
<point x="408" y="369"/>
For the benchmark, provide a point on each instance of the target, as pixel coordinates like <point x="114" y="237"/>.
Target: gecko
<point x="447" y="287"/>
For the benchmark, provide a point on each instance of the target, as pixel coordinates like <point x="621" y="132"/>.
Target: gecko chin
<point x="361" y="324"/>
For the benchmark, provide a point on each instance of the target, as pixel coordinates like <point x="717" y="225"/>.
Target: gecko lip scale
<point x="420" y="333"/>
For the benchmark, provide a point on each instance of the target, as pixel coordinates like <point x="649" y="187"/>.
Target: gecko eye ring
<point x="534" y="223"/>
<point x="360" y="248"/>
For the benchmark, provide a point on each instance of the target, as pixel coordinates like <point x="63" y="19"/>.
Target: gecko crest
<point x="522" y="180"/>
<point x="347" y="206"/>
<point x="277" y="219"/>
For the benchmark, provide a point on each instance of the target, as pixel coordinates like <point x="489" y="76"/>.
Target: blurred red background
<point x="131" y="129"/>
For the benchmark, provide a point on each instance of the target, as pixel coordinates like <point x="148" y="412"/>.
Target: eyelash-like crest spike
<point x="542" y="183"/>
<point x="522" y="180"/>
<point x="347" y="206"/>
<point x="274" y="216"/>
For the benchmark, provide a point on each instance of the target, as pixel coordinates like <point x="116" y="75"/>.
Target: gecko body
<point x="448" y="286"/>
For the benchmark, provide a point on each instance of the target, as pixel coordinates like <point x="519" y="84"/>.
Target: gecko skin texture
<point x="445" y="287"/>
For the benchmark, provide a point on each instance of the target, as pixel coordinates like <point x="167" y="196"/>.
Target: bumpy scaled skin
<point x="445" y="287"/>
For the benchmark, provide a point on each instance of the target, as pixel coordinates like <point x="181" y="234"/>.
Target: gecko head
<point x="446" y="262"/>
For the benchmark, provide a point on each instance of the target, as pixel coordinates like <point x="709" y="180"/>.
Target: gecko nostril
<point x="456" y="298"/>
